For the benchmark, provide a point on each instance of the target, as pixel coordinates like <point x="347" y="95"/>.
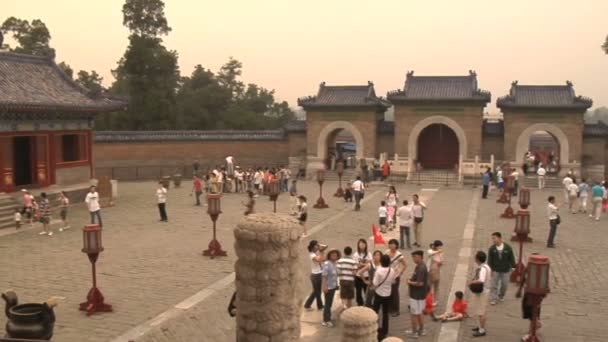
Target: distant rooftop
<point x="543" y="96"/>
<point x="345" y="96"/>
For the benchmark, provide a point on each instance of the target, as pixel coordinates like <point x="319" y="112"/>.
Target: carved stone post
<point x="360" y="325"/>
<point x="270" y="278"/>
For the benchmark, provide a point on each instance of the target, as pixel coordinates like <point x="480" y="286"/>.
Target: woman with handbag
<point x="382" y="282"/>
<point x="370" y="268"/>
<point x="480" y="288"/>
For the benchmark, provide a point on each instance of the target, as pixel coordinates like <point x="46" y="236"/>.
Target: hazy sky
<point x="292" y="46"/>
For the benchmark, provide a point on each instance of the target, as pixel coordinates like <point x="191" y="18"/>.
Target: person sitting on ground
<point x="459" y="310"/>
<point x="348" y="193"/>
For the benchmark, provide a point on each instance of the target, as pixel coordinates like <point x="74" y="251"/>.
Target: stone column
<point x="360" y="325"/>
<point x="270" y="279"/>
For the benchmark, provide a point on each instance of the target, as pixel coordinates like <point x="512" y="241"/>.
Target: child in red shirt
<point x="459" y="310"/>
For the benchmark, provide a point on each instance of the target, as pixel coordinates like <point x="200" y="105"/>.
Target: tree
<point x="90" y="81"/>
<point x="32" y="38"/>
<point x="67" y="69"/>
<point x="145" y="18"/>
<point x="228" y="76"/>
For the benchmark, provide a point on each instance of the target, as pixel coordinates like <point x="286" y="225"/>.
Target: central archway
<point x="330" y="131"/>
<point x="453" y="126"/>
<point x="438" y="147"/>
<point x="523" y="142"/>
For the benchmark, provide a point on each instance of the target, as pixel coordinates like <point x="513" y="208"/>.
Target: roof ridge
<point x="22" y="56"/>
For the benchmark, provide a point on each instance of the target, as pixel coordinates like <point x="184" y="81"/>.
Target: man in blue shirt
<point x="598" y="195"/>
<point x="487" y="178"/>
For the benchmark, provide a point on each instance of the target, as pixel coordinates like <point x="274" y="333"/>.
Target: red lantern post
<point x="510" y="185"/>
<point x="340" y="171"/>
<point x="505" y="194"/>
<point x="214" y="210"/>
<point x="273" y="191"/>
<point x="522" y="229"/>
<point x="537" y="287"/>
<point x="320" y="179"/>
<point x="92" y="246"/>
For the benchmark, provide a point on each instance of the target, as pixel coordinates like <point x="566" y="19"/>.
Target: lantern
<point x="320" y="179"/>
<point x="274" y="189"/>
<point x="213" y="204"/>
<point x="522" y="223"/>
<point x="340" y="168"/>
<point x="214" y="210"/>
<point x="524" y="198"/>
<point x="510" y="184"/>
<point x="91" y="239"/>
<point x="321" y="176"/>
<point x="537" y="278"/>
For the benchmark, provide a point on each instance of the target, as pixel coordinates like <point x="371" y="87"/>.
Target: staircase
<point x="332" y="176"/>
<point x="435" y="178"/>
<point x="531" y="182"/>
<point x="7" y="211"/>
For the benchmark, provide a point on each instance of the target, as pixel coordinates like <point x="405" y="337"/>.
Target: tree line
<point x="160" y="98"/>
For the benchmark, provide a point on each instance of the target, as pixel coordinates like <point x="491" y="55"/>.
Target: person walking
<point x="64" y="203"/>
<point x="303" y="212"/>
<point x="330" y="285"/>
<point x="250" y="204"/>
<point x="501" y="260"/>
<point x="515" y="176"/>
<point x="435" y="262"/>
<point x="573" y="193"/>
<point x="392" y="200"/>
<point x="362" y="258"/>
<point x="92" y="201"/>
<point x="386" y="170"/>
<point x="347" y="269"/>
<point x="315" y="253"/>
<point x="500" y="181"/>
<point x="196" y="167"/>
<point x="45" y="215"/>
<point x="370" y="269"/>
<point x="358" y="189"/>
<point x="197" y="188"/>
<point x="418" y="209"/>
<point x="382" y="214"/>
<point x="554" y="221"/>
<point x="480" y="288"/>
<point x="598" y="193"/>
<point x="161" y="197"/>
<point x="566" y="183"/>
<point x="404" y="214"/>
<point x="28" y="206"/>
<point x="384" y="276"/>
<point x="583" y="194"/>
<point x="418" y="289"/>
<point x="540" y="174"/>
<point x="486" y="180"/>
<point x="399" y="265"/>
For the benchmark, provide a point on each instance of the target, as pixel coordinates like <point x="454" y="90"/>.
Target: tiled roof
<point x="493" y="127"/>
<point x="543" y="96"/>
<point x="142" y="136"/>
<point x="599" y="129"/>
<point x="440" y="88"/>
<point x="36" y="83"/>
<point x="344" y="96"/>
<point x="296" y="126"/>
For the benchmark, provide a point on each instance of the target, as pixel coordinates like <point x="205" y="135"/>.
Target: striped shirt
<point x="45" y="208"/>
<point x="347" y="268"/>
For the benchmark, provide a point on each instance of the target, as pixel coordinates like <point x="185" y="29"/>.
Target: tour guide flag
<point x="378" y="237"/>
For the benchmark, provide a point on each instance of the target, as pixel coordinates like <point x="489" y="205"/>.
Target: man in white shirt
<point x="358" y="189"/>
<point x="404" y="215"/>
<point x="230" y="165"/>
<point x="418" y="215"/>
<point x="541" y="172"/>
<point x="554" y="220"/>
<point x="384" y="277"/>
<point x="161" y="197"/>
<point x="515" y="176"/>
<point x="480" y="300"/>
<point x="92" y="201"/>
<point x="573" y="197"/>
<point x="566" y="182"/>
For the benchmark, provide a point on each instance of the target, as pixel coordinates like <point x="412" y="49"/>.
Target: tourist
<point x="500" y="182"/>
<point x="303" y="212"/>
<point x="28" y="210"/>
<point x="418" y="291"/>
<point x="213" y="179"/>
<point x="480" y="288"/>
<point x="605" y="197"/>
<point x="359" y="190"/>
<point x="330" y="285"/>
<point x="197" y="188"/>
<point x="573" y="193"/>
<point x="515" y="176"/>
<point x="404" y="214"/>
<point x="315" y="252"/>
<point x="418" y="209"/>
<point x="384" y="276"/>
<point x="583" y="194"/>
<point x="220" y="179"/>
<point x="399" y="265"/>
<point x="294" y="203"/>
<point x="382" y="214"/>
<point x="486" y="180"/>
<point x="17" y="217"/>
<point x="196" y="166"/>
<point x="92" y="201"/>
<point x="250" y="204"/>
<point x="258" y="178"/>
<point x="391" y="201"/>
<point x="598" y="192"/>
<point x="64" y="203"/>
<point x="541" y="172"/>
<point x="362" y="258"/>
<point x="370" y="269"/>
<point x="347" y="269"/>
<point x="230" y="165"/>
<point x="459" y="310"/>
<point x="161" y="197"/>
<point x="386" y="170"/>
<point x="239" y="184"/>
<point x="45" y="215"/>
<point x="554" y="221"/>
<point x="501" y="260"/>
<point x="566" y="183"/>
<point x="435" y="262"/>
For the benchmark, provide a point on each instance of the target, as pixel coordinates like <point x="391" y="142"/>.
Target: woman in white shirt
<point x="398" y="265"/>
<point x="391" y="202"/>
<point x="92" y="201"/>
<point x="315" y="252"/>
<point x="161" y="196"/>
<point x="554" y="221"/>
<point x="384" y="277"/>
<point x="362" y="258"/>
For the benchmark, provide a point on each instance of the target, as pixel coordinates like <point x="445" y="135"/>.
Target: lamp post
<point x="537" y="287"/>
<point x="92" y="246"/>
<point x="504" y="196"/>
<point x="510" y="185"/>
<point x="273" y="192"/>
<point x="522" y="229"/>
<point x="340" y="171"/>
<point x="320" y="179"/>
<point x="214" y="210"/>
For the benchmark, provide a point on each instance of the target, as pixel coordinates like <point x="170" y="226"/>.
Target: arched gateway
<point x="437" y="142"/>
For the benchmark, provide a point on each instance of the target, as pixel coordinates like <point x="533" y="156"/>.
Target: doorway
<point x="438" y="147"/>
<point x="22" y="158"/>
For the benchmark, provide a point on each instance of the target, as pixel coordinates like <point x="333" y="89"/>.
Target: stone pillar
<point x="270" y="279"/>
<point x="360" y="325"/>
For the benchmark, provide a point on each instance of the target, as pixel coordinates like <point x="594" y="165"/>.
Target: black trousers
<point x="360" y="290"/>
<point x="394" y="298"/>
<point x="198" y="197"/>
<point x="384" y="303"/>
<point x="317" y="281"/>
<point x="552" y="232"/>
<point x="357" y="200"/>
<point x="162" y="209"/>
<point x="484" y="193"/>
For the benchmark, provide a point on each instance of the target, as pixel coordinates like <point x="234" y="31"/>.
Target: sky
<point x="292" y="46"/>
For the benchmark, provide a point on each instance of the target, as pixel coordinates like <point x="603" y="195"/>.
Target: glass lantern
<point x="213" y="204"/>
<point x="522" y="222"/>
<point x="340" y="168"/>
<point x="537" y="279"/>
<point x="91" y="239"/>
<point x="524" y="198"/>
<point x="320" y="176"/>
<point x="510" y="182"/>
<point x="273" y="188"/>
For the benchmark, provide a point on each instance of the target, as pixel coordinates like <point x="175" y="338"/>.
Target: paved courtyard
<point x="149" y="267"/>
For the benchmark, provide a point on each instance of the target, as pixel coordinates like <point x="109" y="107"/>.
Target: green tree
<point x="32" y="38"/>
<point x="145" y="18"/>
<point x="229" y="75"/>
<point x="90" y="81"/>
<point x="67" y="69"/>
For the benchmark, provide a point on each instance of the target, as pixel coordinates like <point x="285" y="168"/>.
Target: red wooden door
<point x="438" y="147"/>
<point x="41" y="157"/>
<point x="7" y="179"/>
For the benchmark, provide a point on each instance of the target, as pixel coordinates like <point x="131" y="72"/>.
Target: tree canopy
<point x="32" y="38"/>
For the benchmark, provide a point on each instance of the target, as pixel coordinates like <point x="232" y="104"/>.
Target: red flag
<point x="378" y="237"/>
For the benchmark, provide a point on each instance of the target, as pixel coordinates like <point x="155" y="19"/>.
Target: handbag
<point x="371" y="291"/>
<point x="476" y="287"/>
<point x="418" y="219"/>
<point x="558" y="220"/>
